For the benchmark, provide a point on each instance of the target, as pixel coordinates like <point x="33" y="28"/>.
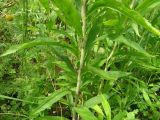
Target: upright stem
<point x="82" y="54"/>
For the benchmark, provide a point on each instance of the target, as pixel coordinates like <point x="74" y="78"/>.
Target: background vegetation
<point x="80" y="59"/>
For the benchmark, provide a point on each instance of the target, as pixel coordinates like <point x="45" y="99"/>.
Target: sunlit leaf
<point x="106" y="107"/>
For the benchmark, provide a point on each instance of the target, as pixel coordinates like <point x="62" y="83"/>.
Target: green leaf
<point x="146" y="4"/>
<point x="45" y="4"/>
<point x="51" y="118"/>
<point x="132" y="14"/>
<point x="11" y="98"/>
<point x="111" y="22"/>
<point x="39" y="41"/>
<point x="50" y="100"/>
<point x="147" y="99"/>
<point x="120" y="115"/>
<point x="108" y="75"/>
<point x="106" y="107"/>
<point x="93" y="101"/>
<point x="85" y="113"/>
<point x="72" y="16"/>
<point x="135" y="28"/>
<point x="92" y="35"/>
<point x="98" y="109"/>
<point x="133" y="45"/>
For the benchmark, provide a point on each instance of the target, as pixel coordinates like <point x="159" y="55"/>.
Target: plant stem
<point x="82" y="55"/>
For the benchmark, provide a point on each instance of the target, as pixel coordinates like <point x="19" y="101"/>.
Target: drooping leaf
<point x="106" y="107"/>
<point x="108" y="75"/>
<point x="133" y="45"/>
<point x="39" y="41"/>
<point x="50" y="100"/>
<point x="132" y="14"/>
<point x="16" y="99"/>
<point x="85" y="113"/>
<point x="71" y="14"/>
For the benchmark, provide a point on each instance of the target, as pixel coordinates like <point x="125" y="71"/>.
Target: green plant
<point x="97" y="61"/>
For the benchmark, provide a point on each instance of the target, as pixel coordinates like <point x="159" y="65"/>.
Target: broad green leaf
<point x="50" y="100"/>
<point x="133" y="45"/>
<point x="146" y="4"/>
<point x="16" y="99"/>
<point x="108" y="75"/>
<point x="93" y="101"/>
<point x="71" y="14"/>
<point x="52" y="118"/>
<point x="85" y="113"/>
<point x="39" y="41"/>
<point x="134" y="15"/>
<point x="106" y="107"/>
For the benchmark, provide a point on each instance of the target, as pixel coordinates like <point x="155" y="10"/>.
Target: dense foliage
<point x="80" y="59"/>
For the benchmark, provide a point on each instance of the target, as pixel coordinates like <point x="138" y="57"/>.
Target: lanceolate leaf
<point x="107" y="75"/>
<point x="71" y="14"/>
<point x="133" y="45"/>
<point x="16" y="99"/>
<point x="92" y="35"/>
<point x="85" y="113"/>
<point x="106" y="107"/>
<point x="40" y="41"/>
<point x="112" y="4"/>
<point x="50" y="100"/>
